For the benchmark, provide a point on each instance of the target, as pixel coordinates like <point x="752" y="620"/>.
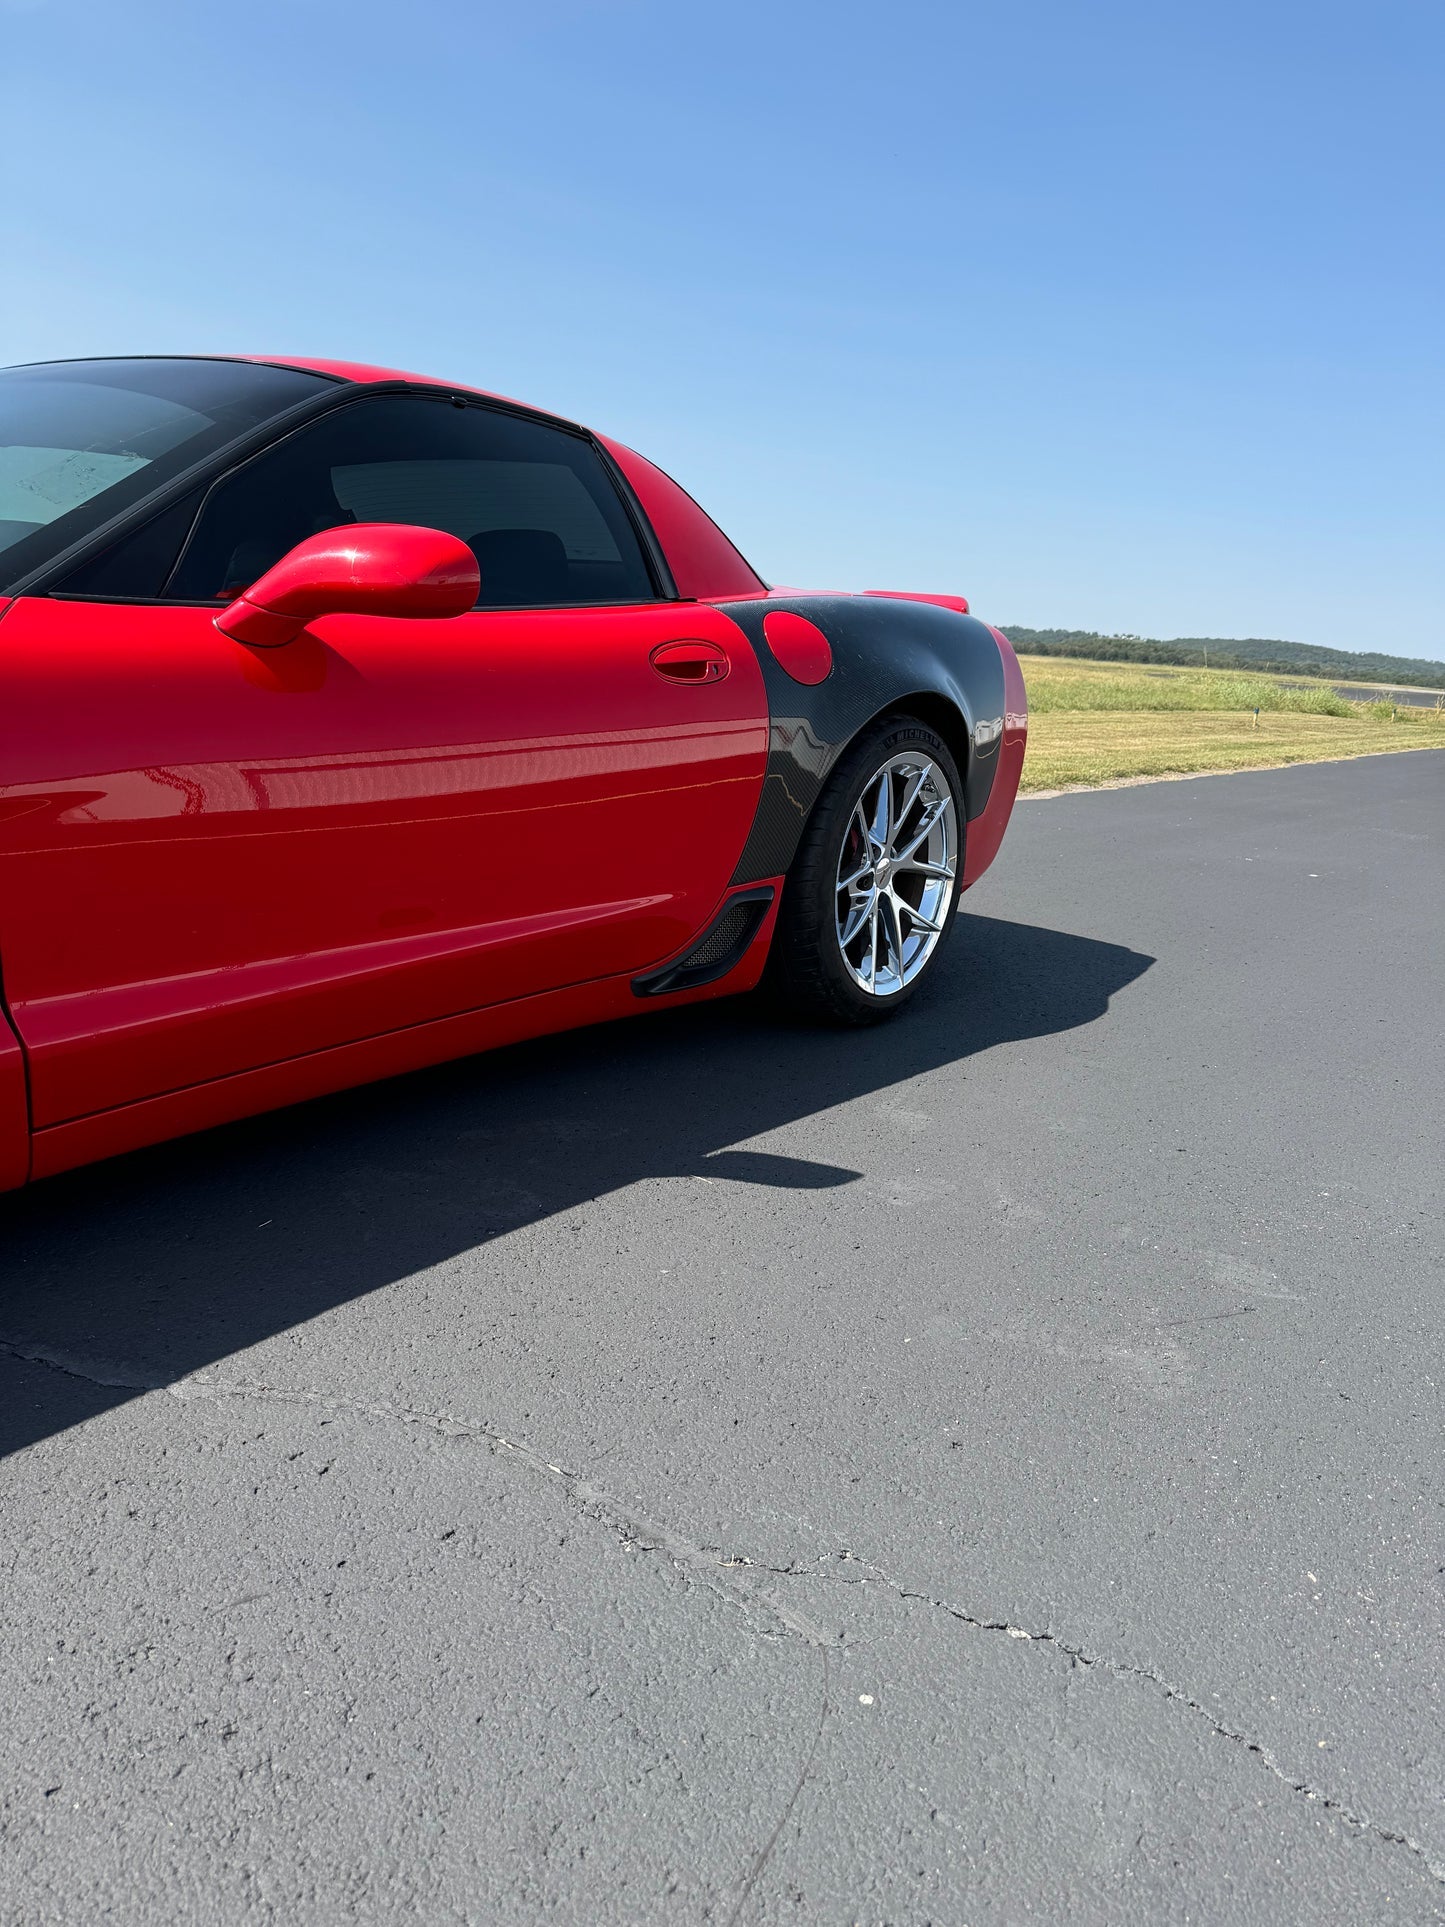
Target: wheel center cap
<point x="882" y="874"/>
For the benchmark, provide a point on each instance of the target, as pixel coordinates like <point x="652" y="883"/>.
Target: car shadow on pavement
<point x="132" y="1274"/>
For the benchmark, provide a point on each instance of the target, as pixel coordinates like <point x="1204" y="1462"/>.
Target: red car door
<point x="214" y="857"/>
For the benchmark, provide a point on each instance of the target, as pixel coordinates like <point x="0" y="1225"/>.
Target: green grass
<point x="1103" y="722"/>
<point x="1055" y="684"/>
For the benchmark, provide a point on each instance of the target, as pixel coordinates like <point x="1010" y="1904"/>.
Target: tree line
<point x="1231" y="652"/>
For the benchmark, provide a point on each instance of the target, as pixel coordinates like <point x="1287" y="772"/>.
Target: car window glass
<point x="534" y="503"/>
<point x="135" y="567"/>
<point x="83" y="441"/>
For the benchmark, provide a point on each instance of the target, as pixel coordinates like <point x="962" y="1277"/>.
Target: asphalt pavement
<point x="985" y="1470"/>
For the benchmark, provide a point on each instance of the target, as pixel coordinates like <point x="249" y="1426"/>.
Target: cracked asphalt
<point x="984" y="1471"/>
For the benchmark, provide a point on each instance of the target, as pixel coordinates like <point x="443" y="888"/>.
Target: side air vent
<point x="716" y="951"/>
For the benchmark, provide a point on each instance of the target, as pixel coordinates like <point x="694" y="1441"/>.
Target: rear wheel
<point x="870" y="898"/>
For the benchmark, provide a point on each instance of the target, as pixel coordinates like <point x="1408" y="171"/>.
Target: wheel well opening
<point x="941" y="715"/>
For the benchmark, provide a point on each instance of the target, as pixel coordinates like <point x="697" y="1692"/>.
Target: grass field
<point x="1098" y="722"/>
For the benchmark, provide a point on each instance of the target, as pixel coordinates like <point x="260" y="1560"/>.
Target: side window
<point x="533" y="502"/>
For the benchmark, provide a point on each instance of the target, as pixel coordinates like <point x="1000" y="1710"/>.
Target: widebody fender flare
<point x="888" y="653"/>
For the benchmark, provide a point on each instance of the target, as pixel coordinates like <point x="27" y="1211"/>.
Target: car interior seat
<point x="521" y="567"/>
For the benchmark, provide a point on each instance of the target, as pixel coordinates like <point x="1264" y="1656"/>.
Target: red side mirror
<point x="362" y="569"/>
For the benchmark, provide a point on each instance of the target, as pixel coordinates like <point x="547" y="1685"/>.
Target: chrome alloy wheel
<point x="896" y="874"/>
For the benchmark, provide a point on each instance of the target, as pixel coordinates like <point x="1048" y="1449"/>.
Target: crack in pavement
<point x="1121" y="1669"/>
<point x="725" y="1576"/>
<point x="696" y="1563"/>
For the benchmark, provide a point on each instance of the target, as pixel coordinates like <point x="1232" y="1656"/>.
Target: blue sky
<point x="1112" y="316"/>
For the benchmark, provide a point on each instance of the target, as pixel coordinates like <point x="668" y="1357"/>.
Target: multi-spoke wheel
<point x="871" y="894"/>
<point x="896" y="874"/>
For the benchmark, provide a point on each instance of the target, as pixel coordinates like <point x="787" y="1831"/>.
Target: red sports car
<point x="351" y="720"/>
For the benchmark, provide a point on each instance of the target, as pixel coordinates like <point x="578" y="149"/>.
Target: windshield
<point x="82" y="440"/>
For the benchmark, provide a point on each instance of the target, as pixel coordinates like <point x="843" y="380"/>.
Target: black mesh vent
<point x="721" y="938"/>
<point x="716" y="951"/>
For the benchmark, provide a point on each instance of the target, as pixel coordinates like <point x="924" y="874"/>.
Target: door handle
<point x="690" y="662"/>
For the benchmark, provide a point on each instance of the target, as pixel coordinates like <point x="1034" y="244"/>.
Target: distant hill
<point x="1231" y="652"/>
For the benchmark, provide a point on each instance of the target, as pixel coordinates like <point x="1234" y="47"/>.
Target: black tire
<point x="808" y="967"/>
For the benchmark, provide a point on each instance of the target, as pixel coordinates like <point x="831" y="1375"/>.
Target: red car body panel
<point x="705" y="565"/>
<point x="985" y="833"/>
<point x="197" y="1108"/>
<point x="234" y="877"/>
<point x="799" y="645"/>
<point x="218" y="857"/>
<point x="958" y="602"/>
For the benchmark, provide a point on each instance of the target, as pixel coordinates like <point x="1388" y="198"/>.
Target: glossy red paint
<point x="63" y="1146"/>
<point x="800" y="646"/>
<point x="359" y="371"/>
<point x="362" y="569"/>
<point x="214" y="858"/>
<point x="705" y="565"/>
<point x="985" y="833"/>
<point x="958" y="602"/>
<point x="251" y="857"/>
<point x="1015" y="696"/>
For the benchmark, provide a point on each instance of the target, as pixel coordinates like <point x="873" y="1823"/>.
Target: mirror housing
<point x="360" y="569"/>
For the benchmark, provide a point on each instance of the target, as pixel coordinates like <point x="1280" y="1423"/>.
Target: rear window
<point x="82" y="440"/>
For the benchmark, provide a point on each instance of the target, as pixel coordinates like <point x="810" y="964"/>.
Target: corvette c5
<point x="352" y="720"/>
